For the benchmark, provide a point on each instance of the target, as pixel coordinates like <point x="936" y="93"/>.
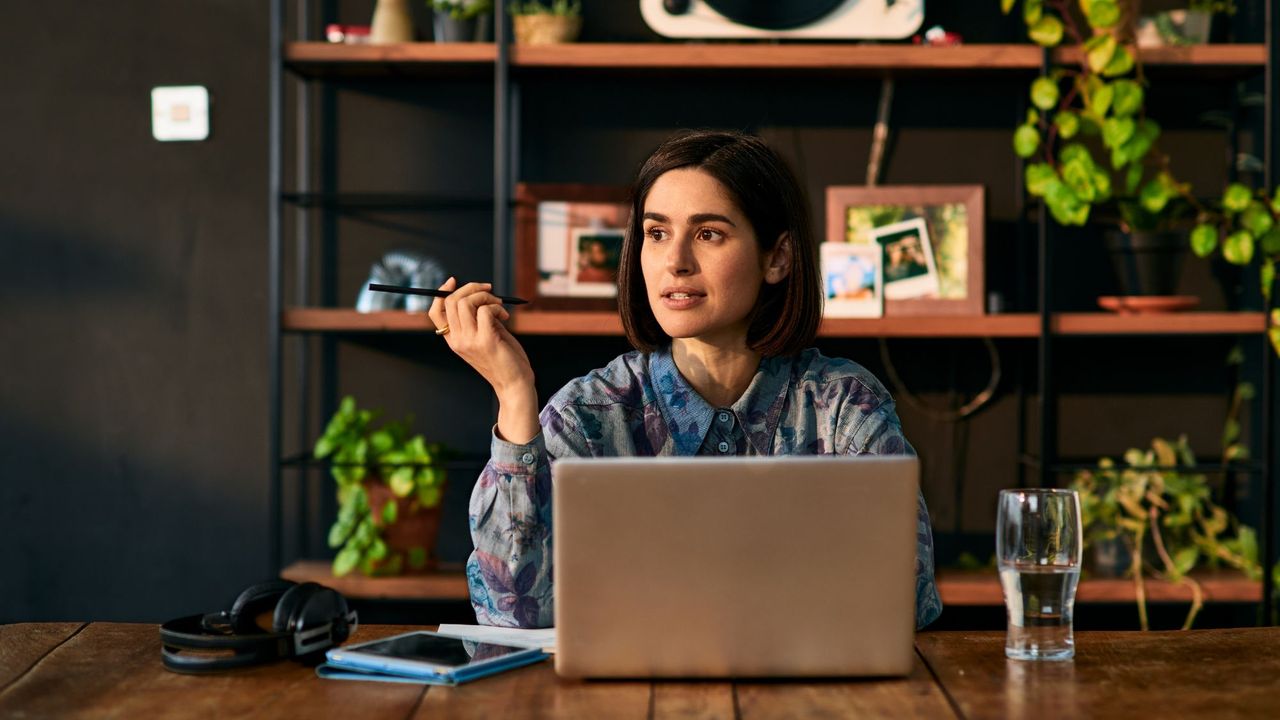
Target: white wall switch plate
<point x="180" y="112"/>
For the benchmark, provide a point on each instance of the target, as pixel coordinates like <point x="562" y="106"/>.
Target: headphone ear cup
<point x="255" y="600"/>
<point x="290" y="608"/>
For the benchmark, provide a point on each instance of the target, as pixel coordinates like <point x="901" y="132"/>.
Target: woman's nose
<point x="680" y="258"/>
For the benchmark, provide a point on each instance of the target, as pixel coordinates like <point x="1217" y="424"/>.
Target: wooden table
<point x="107" y="670"/>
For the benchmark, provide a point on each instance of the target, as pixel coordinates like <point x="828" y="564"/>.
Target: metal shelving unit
<point x="314" y="62"/>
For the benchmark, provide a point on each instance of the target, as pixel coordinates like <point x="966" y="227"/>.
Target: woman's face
<point x="701" y="263"/>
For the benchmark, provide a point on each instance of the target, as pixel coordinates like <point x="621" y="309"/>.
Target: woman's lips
<point x="682" y="301"/>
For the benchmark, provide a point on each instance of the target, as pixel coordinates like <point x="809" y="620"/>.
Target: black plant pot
<point x="448" y="29"/>
<point x="1147" y="263"/>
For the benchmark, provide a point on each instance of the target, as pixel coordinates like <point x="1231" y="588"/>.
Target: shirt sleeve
<point x="880" y="433"/>
<point x="509" y="573"/>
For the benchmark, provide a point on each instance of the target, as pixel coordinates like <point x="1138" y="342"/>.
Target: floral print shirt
<point x="640" y="405"/>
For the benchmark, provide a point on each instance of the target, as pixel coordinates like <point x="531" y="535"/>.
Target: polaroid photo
<point x="594" y="256"/>
<point x="852" y="282"/>
<point x="907" y="260"/>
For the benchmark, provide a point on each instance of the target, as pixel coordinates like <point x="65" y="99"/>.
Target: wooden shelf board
<point x="348" y="320"/>
<point x="1180" y="323"/>
<point x="982" y="588"/>
<point x="1024" y="325"/>
<point x="447" y="584"/>
<point x="315" y="58"/>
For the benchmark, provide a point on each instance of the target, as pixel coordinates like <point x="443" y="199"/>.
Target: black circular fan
<point x="773" y="15"/>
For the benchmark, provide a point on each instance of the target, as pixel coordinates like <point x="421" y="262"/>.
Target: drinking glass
<point x="1038" y="538"/>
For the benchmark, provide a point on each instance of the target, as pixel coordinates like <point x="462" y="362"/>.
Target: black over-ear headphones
<point x="305" y="618"/>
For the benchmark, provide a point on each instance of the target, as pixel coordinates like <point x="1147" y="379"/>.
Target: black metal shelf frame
<point x="506" y="141"/>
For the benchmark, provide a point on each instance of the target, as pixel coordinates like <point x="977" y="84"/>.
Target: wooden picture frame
<point x="550" y="217"/>
<point x="956" y="220"/>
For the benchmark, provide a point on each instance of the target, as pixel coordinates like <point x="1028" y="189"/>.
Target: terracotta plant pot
<point x="414" y="532"/>
<point x="546" y="29"/>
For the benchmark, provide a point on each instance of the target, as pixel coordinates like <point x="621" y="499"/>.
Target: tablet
<point x="425" y="654"/>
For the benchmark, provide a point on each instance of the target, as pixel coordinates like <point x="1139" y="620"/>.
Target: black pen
<point x="434" y="293"/>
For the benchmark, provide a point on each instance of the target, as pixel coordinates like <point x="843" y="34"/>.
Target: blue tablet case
<point x="333" y="671"/>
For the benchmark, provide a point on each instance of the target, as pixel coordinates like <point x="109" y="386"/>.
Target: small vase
<point x="1147" y="263"/>
<point x="391" y="23"/>
<point x="544" y="29"/>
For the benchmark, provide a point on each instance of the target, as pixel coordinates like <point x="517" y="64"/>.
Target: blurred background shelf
<point x="447" y="583"/>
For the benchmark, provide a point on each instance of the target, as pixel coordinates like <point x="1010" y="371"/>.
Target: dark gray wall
<point x="133" y="401"/>
<point x="133" y="391"/>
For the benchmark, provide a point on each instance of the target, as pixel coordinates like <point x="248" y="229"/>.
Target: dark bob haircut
<point x="785" y="318"/>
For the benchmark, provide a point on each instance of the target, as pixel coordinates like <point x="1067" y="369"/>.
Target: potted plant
<point x="462" y="20"/>
<point x="1164" y="520"/>
<point x="1093" y="142"/>
<point x="559" y="21"/>
<point x="389" y="489"/>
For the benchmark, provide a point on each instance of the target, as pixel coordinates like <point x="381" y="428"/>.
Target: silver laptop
<point x="735" y="567"/>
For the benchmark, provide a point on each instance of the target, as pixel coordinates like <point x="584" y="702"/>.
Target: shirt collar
<point x="689" y="415"/>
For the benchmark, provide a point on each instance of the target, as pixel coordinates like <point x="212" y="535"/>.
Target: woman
<point x="719" y="292"/>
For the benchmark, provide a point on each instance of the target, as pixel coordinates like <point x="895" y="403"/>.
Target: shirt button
<point x="723" y="446"/>
<point x="724" y="417"/>
<point x="527" y="458"/>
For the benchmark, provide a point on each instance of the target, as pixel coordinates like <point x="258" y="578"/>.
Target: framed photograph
<point x="907" y="260"/>
<point x="852" y="281"/>
<point x="569" y="244"/>
<point x="953" y="218"/>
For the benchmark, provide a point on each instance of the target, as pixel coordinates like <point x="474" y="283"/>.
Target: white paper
<point x="544" y="638"/>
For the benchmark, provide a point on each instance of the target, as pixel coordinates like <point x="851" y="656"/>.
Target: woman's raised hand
<point x="474" y="320"/>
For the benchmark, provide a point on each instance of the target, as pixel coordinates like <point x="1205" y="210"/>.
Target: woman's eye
<point x="654" y="233"/>
<point x="708" y="234"/>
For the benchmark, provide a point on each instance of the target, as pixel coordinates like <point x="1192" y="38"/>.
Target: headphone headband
<point x="308" y="618"/>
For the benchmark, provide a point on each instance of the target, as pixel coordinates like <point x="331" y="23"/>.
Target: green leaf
<point x="1121" y="63"/>
<point x="346" y="561"/>
<point x="1026" y="140"/>
<point x="1204" y="239"/>
<point x="1268" y="278"/>
<point x="1006" y="6"/>
<point x="1102" y="14"/>
<point x="1079" y="176"/>
<point x="1236" y="452"/>
<point x="1032" y="11"/>
<point x="1132" y="178"/>
<point x="1099" y="50"/>
<point x="1245" y="390"/>
<point x="1068" y="124"/>
<point x="1046" y="32"/>
<point x="1236" y="198"/>
<point x="1230" y="431"/>
<point x="1238" y="248"/>
<point x="1101" y="98"/>
<point x="1128" y="98"/>
<point x="1274" y="334"/>
<point x="338" y="533"/>
<point x="1038" y="176"/>
<point x="401" y="481"/>
<point x="1063" y="204"/>
<point x="1044" y="93"/>
<point x="1185" y="559"/>
<point x="389" y="513"/>
<point x="377" y="550"/>
<point x="1257" y="219"/>
<point x="1270" y="242"/>
<point x="1155" y="194"/>
<point x="1117" y="131"/>
<point x="324" y="446"/>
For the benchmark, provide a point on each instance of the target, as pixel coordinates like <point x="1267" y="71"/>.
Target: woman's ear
<point x="777" y="262"/>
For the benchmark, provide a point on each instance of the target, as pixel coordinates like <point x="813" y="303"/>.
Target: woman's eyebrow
<point x="693" y="219"/>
